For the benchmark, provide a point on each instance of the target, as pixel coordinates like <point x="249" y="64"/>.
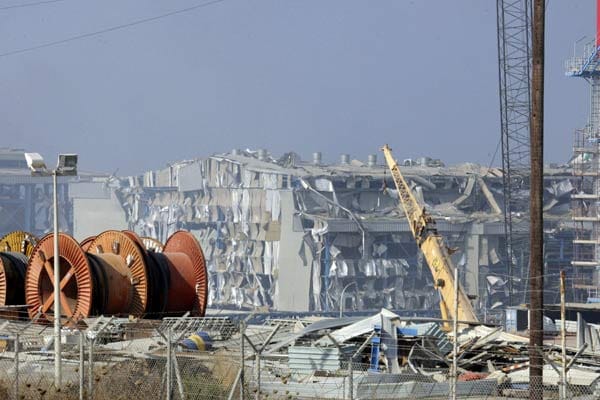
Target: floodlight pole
<point x="57" y="321"/>
<point x="67" y="165"/>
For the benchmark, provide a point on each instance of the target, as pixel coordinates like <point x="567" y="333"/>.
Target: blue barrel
<point x="199" y="341"/>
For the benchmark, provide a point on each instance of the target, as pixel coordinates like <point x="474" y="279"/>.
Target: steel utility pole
<point x="563" y="335"/>
<point x="455" y="334"/>
<point x="536" y="233"/>
<point x="57" y="305"/>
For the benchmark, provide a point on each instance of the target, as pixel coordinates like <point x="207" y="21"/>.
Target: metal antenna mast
<point x="514" y="70"/>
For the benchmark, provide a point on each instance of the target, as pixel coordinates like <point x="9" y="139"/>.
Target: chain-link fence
<point x="196" y="358"/>
<point x="354" y="382"/>
<point x="116" y="360"/>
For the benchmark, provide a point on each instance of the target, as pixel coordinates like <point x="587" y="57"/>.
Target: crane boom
<point x="431" y="243"/>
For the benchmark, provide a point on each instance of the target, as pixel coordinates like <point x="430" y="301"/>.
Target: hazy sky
<point x="336" y="76"/>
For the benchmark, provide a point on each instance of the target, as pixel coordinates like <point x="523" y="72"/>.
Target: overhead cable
<point x="109" y="29"/>
<point x="37" y="3"/>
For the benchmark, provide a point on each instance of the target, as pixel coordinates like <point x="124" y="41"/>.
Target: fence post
<point x="93" y="335"/>
<point x="563" y="336"/>
<point x="169" y="365"/>
<point x="81" y="364"/>
<point x="178" y="375"/>
<point x="351" y="378"/>
<point x="17" y="338"/>
<point x="455" y="334"/>
<point x="91" y="369"/>
<point x="257" y="366"/>
<point x="242" y="370"/>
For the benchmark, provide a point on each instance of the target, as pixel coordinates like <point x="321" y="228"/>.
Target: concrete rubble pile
<point x="270" y="226"/>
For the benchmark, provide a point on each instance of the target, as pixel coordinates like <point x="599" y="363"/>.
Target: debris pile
<point x="396" y="357"/>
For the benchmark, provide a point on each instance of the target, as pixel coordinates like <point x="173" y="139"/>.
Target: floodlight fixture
<point x="67" y="165"/>
<point x="36" y="164"/>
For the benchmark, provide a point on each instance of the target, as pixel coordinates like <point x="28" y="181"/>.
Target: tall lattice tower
<point x="514" y="72"/>
<point x="586" y="169"/>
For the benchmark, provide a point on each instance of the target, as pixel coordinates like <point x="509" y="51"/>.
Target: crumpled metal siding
<point x="232" y="204"/>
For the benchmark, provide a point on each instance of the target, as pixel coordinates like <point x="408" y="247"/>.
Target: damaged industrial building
<point x="280" y="233"/>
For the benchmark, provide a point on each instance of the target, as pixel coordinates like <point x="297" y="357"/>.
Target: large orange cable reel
<point x="76" y="283"/>
<point x="117" y="276"/>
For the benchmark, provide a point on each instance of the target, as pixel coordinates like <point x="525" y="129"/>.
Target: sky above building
<point x="336" y="76"/>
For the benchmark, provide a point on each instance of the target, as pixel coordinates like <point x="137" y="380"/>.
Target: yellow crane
<point x="431" y="243"/>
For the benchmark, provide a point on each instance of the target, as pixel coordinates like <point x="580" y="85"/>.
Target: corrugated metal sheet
<point x="307" y="359"/>
<point x="575" y="376"/>
<point x="430" y="329"/>
<point x="571" y="326"/>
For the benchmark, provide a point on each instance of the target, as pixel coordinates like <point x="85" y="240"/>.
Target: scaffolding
<point x="586" y="170"/>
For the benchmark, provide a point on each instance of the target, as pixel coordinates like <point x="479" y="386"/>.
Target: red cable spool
<point x="85" y="243"/>
<point x="118" y="276"/>
<point x="91" y="284"/>
<point x="188" y="289"/>
<point x="121" y="245"/>
<point x="134" y="236"/>
<point x="177" y="275"/>
<point x="157" y="279"/>
<point x="76" y="283"/>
